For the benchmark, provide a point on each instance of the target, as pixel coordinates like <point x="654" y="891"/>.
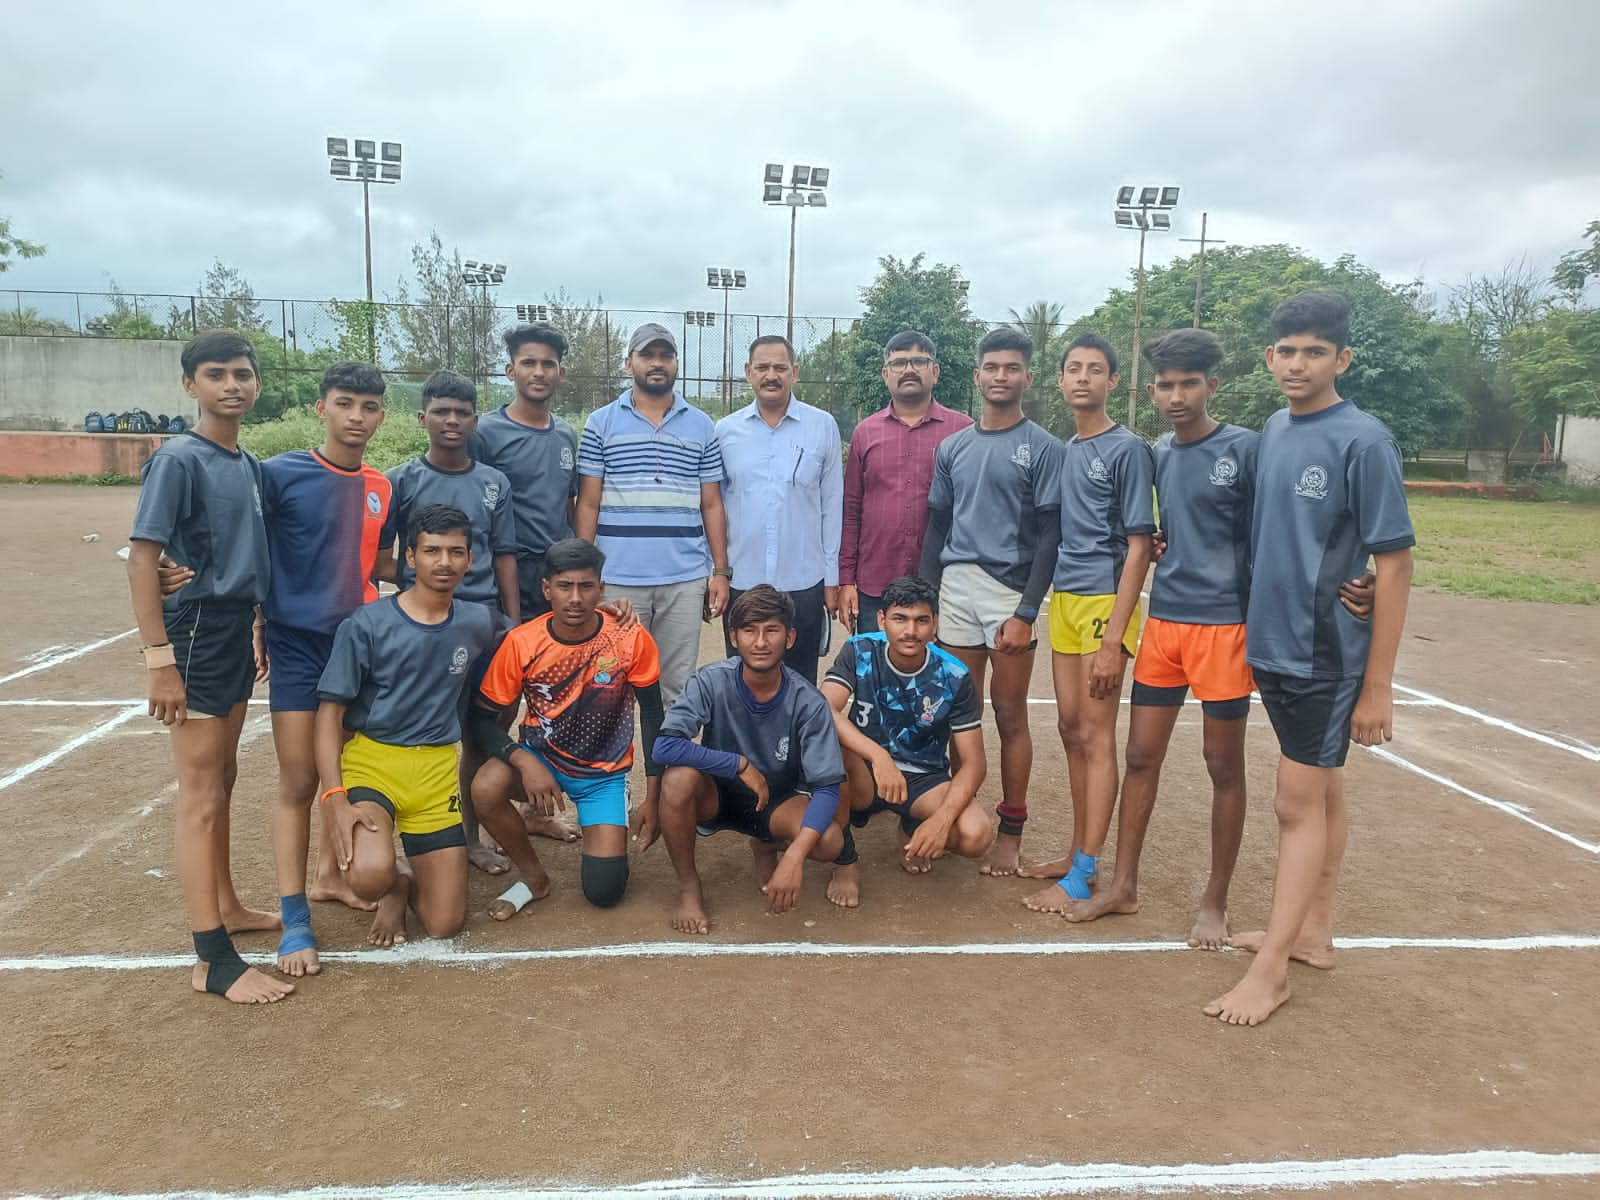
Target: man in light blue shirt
<point x="650" y="496"/>
<point x="784" y="494"/>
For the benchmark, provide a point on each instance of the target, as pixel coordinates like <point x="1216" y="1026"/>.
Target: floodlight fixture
<point x="366" y="149"/>
<point x="530" y="313"/>
<point x="338" y="147"/>
<point x="1148" y="196"/>
<point x="795" y="199"/>
<point x="774" y="173"/>
<point x="364" y="167"/>
<point x="817" y="199"/>
<point x="1160" y="220"/>
<point x="1169" y="197"/>
<point x="339" y="168"/>
<point x="804" y="190"/>
<point x="726" y="279"/>
<point x="819" y="177"/>
<point x="1141" y="219"/>
<point x="1124" y="219"/>
<point x="772" y="193"/>
<point x="391" y="152"/>
<point x="1124" y="196"/>
<point x="1132" y="214"/>
<point x="800" y="177"/>
<point x="738" y="279"/>
<point x="389" y="173"/>
<point x="713" y="276"/>
<point x="470" y="264"/>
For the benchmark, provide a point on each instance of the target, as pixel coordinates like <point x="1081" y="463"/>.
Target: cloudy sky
<point x="615" y="148"/>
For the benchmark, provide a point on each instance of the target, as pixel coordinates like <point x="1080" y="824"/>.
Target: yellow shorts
<point x="417" y="785"/>
<point x="1077" y="623"/>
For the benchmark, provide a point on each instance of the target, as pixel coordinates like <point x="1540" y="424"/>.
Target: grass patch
<point x="104" y="479"/>
<point x="1507" y="549"/>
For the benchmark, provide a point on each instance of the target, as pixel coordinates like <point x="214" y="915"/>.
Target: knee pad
<point x="604" y="879"/>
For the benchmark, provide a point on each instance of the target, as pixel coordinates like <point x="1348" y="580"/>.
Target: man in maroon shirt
<point x="886" y="480"/>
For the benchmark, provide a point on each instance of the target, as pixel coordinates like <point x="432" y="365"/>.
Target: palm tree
<point x="1041" y="322"/>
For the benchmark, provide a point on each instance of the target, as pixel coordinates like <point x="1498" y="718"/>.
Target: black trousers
<point x="809" y="621"/>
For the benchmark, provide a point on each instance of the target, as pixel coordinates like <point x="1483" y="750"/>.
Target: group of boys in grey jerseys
<point x="1258" y="588"/>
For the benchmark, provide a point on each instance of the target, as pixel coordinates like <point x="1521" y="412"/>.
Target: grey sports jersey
<point x="402" y="681"/>
<point x="1328" y="494"/>
<point x="1107" y="492"/>
<point x="483" y="493"/>
<point x="203" y="503"/>
<point x="542" y="465"/>
<point x="1205" y="491"/>
<point x="790" y="738"/>
<point x="992" y="481"/>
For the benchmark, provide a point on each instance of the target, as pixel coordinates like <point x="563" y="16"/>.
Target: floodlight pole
<point x="1200" y="274"/>
<point x="1138" y="317"/>
<point x="794" y="213"/>
<point x="727" y="355"/>
<point x="366" y="223"/>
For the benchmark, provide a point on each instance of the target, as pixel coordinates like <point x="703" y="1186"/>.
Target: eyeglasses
<point x="920" y="363"/>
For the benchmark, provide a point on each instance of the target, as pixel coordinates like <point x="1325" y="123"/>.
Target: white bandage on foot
<point x="519" y="895"/>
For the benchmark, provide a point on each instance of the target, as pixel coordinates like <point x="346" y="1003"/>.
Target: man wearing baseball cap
<point x="650" y="496"/>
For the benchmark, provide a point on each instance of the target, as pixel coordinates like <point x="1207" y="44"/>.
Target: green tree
<point x="932" y="300"/>
<point x="1554" y="367"/>
<point x="1493" y="315"/>
<point x="223" y="299"/>
<point x="1577" y="267"/>
<point x="126" y="318"/>
<point x="359" y="328"/>
<point x="1042" y="322"/>
<point x="440" y="320"/>
<point x="825" y="372"/>
<point x="14" y="246"/>
<point x="596" y="346"/>
<point x="29" y="322"/>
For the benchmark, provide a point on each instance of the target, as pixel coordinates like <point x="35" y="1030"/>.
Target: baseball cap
<point x="652" y="332"/>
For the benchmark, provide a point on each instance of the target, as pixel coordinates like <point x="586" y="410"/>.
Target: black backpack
<point x="93" y="422"/>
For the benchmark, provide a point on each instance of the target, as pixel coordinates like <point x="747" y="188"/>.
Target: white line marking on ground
<point x="1516" y="811"/>
<point x="55" y="660"/>
<point x="449" y="954"/>
<point x="91" y="703"/>
<point x="998" y="1180"/>
<point x="83" y="739"/>
<point x="1573" y="746"/>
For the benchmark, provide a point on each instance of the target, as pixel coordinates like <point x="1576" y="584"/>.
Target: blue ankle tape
<point x="296" y="913"/>
<point x="295" y="909"/>
<point x="1086" y="864"/>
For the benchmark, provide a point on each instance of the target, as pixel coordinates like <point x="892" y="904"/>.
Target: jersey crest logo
<point x="1098" y="471"/>
<point x="458" y="661"/>
<point x="566" y="458"/>
<point x="605" y="667"/>
<point x="1022" y="456"/>
<point x="374" y="505"/>
<point x="256" y="492"/>
<point x="491" y="495"/>
<point x="783" y="748"/>
<point x="1313" y="483"/>
<point x="930" y="710"/>
<point x="1224" y="472"/>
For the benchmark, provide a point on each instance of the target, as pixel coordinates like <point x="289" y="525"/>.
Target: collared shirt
<point x="784" y="495"/>
<point x="886" y="483"/>
<point x="650" y="527"/>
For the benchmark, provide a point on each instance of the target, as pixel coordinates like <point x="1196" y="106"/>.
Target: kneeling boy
<point x="899" y="702"/>
<point x="580" y="673"/>
<point x="768" y="765"/>
<point x="394" y="681"/>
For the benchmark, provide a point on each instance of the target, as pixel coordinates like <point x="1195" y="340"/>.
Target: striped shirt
<point x="649" y="526"/>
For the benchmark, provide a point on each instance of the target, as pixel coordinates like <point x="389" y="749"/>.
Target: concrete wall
<point x="33" y="455"/>
<point x="51" y="382"/>
<point x="1579" y="439"/>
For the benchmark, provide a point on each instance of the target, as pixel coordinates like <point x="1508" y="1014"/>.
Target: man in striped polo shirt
<point x="650" y="496"/>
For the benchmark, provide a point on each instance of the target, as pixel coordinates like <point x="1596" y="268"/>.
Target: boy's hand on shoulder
<point x="621" y="609"/>
<point x="1357" y="595"/>
<point x="1372" y="723"/>
<point x="171" y="575"/>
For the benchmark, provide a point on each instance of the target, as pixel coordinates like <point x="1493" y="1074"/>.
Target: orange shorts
<point x="1207" y="658"/>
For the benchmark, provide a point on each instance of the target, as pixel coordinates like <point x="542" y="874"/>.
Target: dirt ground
<point x="601" y="1072"/>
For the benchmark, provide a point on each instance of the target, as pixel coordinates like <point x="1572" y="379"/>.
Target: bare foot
<point x="844" y="886"/>
<point x="336" y="888"/>
<point x="490" y="862"/>
<point x="1053" y="899"/>
<point x="300" y="962"/>
<point x="1111" y="902"/>
<point x="765" y="855"/>
<point x="1210" y="930"/>
<point x="554" y="828"/>
<point x="389" y="922"/>
<point x="690" y="916"/>
<point x="1004" y="856"/>
<point x="1314" y="952"/>
<point x="1250" y="1002"/>
<point x="502" y="909"/>
<point x="248" y="920"/>
<point x="1056" y="868"/>
<point x="250" y="988"/>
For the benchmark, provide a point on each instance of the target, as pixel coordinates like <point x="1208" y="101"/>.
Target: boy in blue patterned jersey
<point x="899" y="702"/>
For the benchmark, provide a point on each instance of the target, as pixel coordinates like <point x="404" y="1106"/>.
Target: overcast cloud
<point x="616" y="149"/>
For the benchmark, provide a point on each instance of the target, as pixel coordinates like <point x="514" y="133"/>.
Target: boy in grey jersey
<point x="1328" y="493"/>
<point x="1107" y="519"/>
<point x="994" y="521"/>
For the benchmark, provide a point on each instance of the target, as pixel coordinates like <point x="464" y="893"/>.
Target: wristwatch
<point x="722" y="572"/>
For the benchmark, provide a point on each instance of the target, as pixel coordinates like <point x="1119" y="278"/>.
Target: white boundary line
<point x="55" y="660"/>
<point x="1389" y="756"/>
<point x="1581" y="749"/>
<point x="997" y="1180"/>
<point x="256" y="703"/>
<point x="449" y="954"/>
<point x="60" y="752"/>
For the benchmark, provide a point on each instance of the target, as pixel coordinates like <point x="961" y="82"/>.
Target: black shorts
<point x="530" y="585"/>
<point x="917" y="786"/>
<point x="212" y="643"/>
<point x="1310" y="716"/>
<point x="736" y="812"/>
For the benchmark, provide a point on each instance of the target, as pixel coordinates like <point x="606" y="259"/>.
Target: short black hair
<point x="361" y="379"/>
<point x="910" y="339"/>
<point x="1321" y="314"/>
<point x="448" y="385"/>
<point x="772" y="339"/>
<point x="1090" y="341"/>
<point x="217" y="346"/>
<point x="1185" y="350"/>
<point x="1005" y="338"/>
<point x="761" y="603"/>
<point x="908" y="592"/>
<point x="573" y="554"/>
<point x="436" y="518"/>
<point x="540" y="333"/>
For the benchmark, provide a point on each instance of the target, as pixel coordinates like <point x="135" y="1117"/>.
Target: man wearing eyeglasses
<point x="784" y="492"/>
<point x="886" y="480"/>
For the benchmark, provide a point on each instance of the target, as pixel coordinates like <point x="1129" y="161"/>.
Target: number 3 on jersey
<point x="863" y="711"/>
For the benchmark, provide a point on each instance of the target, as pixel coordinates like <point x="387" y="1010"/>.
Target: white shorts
<point x="972" y="606"/>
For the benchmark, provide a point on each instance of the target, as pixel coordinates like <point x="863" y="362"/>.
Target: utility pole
<point x="1200" y="273"/>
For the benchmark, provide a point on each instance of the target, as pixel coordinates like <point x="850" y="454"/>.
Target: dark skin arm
<point x="933" y="835"/>
<point x="164" y="686"/>
<point x="328" y="743"/>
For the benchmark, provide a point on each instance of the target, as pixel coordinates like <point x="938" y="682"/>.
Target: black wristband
<point x="1026" y="615"/>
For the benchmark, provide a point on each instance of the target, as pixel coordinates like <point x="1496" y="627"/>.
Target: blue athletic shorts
<point x="296" y="658"/>
<point x="599" y="799"/>
<point x="1310" y="716"/>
